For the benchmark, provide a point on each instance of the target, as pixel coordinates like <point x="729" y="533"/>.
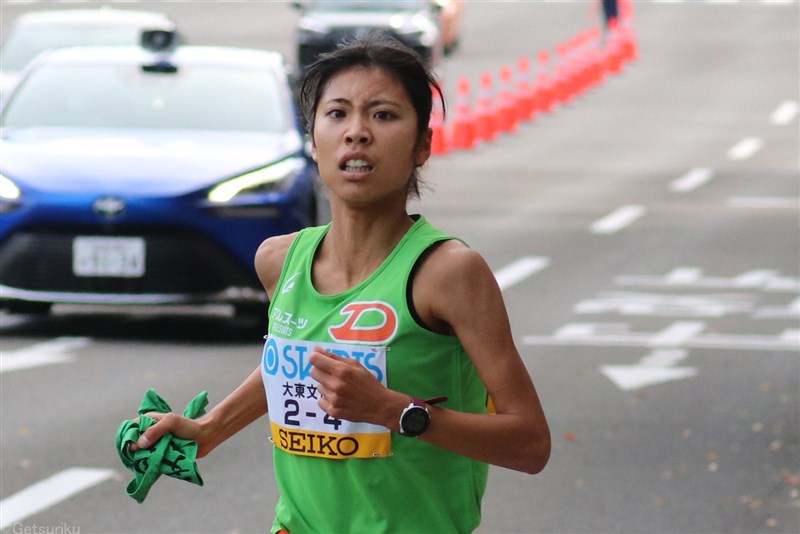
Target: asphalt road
<point x="647" y="237"/>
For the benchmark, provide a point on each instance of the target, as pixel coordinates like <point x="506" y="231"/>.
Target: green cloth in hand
<point x="171" y="456"/>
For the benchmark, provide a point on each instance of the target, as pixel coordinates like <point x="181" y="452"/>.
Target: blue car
<point x="149" y="175"/>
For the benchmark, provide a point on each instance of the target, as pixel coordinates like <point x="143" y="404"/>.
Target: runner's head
<point x="381" y="51"/>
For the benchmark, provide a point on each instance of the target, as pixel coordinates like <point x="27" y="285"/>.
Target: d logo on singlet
<point x="367" y="322"/>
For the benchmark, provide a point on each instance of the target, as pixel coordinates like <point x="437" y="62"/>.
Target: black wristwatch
<point x="415" y="419"/>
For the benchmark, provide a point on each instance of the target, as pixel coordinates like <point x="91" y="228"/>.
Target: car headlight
<point x="266" y="179"/>
<point x="8" y="191"/>
<point x="418" y="26"/>
<point x="9" y="195"/>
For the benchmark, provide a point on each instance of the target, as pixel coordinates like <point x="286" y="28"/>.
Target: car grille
<point x="175" y="264"/>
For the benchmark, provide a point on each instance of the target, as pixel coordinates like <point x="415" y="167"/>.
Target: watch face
<point x="415" y="421"/>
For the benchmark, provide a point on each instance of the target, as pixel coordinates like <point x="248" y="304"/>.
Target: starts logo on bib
<point x="367" y="322"/>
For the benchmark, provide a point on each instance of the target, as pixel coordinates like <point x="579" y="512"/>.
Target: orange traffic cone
<point x="544" y="84"/>
<point x="436" y="124"/>
<point x="629" y="45"/>
<point x="463" y="136"/>
<point x="485" y="114"/>
<point x="507" y="110"/>
<point x="587" y="67"/>
<point x="562" y="75"/>
<point x="525" y="90"/>
<point x="596" y="61"/>
<point x="615" y="55"/>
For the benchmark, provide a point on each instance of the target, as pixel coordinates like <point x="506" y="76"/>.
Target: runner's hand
<point x="170" y="423"/>
<point x="351" y="392"/>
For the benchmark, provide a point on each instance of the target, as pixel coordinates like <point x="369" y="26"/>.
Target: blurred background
<point x="635" y="187"/>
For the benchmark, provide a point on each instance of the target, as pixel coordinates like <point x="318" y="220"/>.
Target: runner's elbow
<point x="537" y="454"/>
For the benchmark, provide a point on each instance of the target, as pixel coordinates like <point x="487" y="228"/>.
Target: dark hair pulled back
<point x="382" y="51"/>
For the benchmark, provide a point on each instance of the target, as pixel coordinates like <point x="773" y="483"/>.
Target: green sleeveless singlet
<point x="336" y="476"/>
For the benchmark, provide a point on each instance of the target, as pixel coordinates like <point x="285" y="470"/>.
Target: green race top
<point x="341" y="477"/>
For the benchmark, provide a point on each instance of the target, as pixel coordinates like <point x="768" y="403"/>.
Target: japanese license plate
<point x="108" y="256"/>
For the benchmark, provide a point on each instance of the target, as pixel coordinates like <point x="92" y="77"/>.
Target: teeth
<point x="356" y="165"/>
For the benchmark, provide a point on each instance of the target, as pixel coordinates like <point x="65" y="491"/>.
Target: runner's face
<point x="365" y="137"/>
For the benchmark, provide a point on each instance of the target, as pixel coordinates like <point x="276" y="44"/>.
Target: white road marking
<point x="784" y="113"/>
<point x="691" y="180"/>
<point x="617" y="220"/>
<point x="659" y="305"/>
<point x="765" y="202"/>
<point x="56" y="350"/>
<point x="49" y="492"/>
<point x="683" y="334"/>
<point x="655" y="368"/>
<point x="761" y="279"/>
<point x="746" y="148"/>
<point x="677" y="334"/>
<point x="520" y="270"/>
<point x="790" y="311"/>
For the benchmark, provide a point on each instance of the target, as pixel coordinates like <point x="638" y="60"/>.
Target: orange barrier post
<point x="485" y="115"/>
<point x="463" y="135"/>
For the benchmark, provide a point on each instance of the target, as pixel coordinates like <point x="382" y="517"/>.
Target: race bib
<point x="298" y="424"/>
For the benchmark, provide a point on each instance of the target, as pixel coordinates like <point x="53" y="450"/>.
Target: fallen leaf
<point x="789" y="477"/>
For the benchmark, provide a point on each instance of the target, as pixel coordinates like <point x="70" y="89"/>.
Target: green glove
<point x="171" y="456"/>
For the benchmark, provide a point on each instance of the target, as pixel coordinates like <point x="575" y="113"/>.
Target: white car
<point x="38" y="31"/>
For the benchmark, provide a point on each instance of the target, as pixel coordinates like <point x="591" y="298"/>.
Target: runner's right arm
<point x="247" y="403"/>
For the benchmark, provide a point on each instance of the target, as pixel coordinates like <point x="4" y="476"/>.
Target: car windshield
<point x="373" y="5"/>
<point x="26" y="43"/>
<point x="194" y="98"/>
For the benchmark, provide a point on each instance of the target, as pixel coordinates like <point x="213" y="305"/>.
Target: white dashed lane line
<point x="49" y="492"/>
<point x="784" y="114"/>
<point x="691" y="180"/>
<point x="58" y="350"/>
<point x="520" y="270"/>
<point x="617" y="220"/>
<point x="745" y="149"/>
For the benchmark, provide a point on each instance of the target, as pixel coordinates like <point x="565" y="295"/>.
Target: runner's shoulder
<point x="270" y="257"/>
